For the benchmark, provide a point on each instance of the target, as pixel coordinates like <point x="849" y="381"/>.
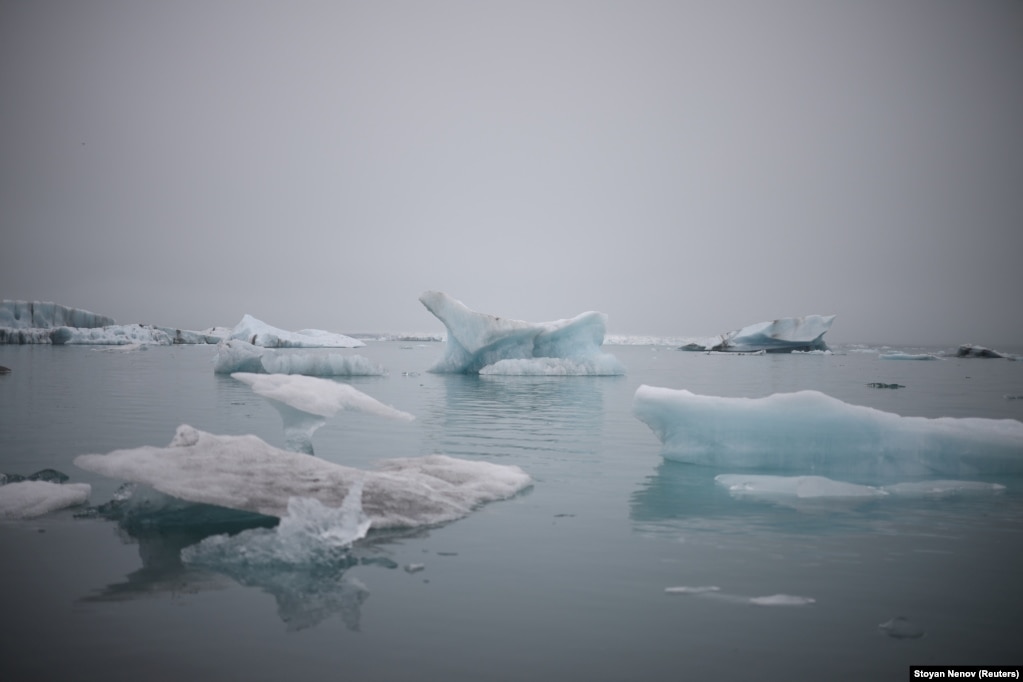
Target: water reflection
<point x="514" y="416"/>
<point x="305" y="594"/>
<point x="681" y="498"/>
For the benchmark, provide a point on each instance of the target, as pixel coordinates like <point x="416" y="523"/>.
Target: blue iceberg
<point x="813" y="433"/>
<point x="487" y="344"/>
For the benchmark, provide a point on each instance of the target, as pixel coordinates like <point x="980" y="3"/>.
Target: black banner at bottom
<point x="964" y="672"/>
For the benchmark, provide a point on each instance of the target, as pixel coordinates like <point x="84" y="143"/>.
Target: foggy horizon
<point x="686" y="169"/>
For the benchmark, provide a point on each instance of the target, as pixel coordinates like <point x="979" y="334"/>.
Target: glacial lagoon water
<point x="615" y="565"/>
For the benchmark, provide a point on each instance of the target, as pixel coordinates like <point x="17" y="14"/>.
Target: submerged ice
<point x="813" y="433"/>
<point x="783" y="335"/>
<point x="481" y="343"/>
<point x="248" y="474"/>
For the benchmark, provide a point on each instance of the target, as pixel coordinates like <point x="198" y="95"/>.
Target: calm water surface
<point x="565" y="581"/>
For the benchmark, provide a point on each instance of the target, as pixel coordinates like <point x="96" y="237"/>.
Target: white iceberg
<point x="259" y="333"/>
<point x="477" y="340"/>
<point x="813" y="433"/>
<point x="234" y="355"/>
<point x="28" y="499"/>
<point x="898" y="355"/>
<point x="313" y="395"/>
<point x="305" y="403"/>
<point x="248" y="474"/>
<point x="783" y="335"/>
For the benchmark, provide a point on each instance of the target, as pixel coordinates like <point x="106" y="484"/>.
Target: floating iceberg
<point x="234" y="355"/>
<point x="305" y="402"/>
<point x="783" y="335"/>
<point x="968" y="350"/>
<point x="477" y="340"/>
<point x="28" y="499"/>
<point x="811" y="432"/>
<point x="259" y="333"/>
<point x="248" y="474"/>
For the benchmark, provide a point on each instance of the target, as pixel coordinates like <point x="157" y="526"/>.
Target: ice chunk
<point x="783" y="335"/>
<point x="944" y="488"/>
<point x="968" y="350"/>
<point x="112" y="335"/>
<point x="895" y="355"/>
<point x="684" y="589"/>
<point x="305" y="402"/>
<point x="901" y="627"/>
<point x="811" y="432"/>
<point x="476" y="340"/>
<point x="317" y="396"/>
<point x="782" y="600"/>
<point x="309" y="533"/>
<point x="239" y="356"/>
<point x="793" y="486"/>
<point x="259" y="333"/>
<point x="246" y="473"/>
<point x="28" y="499"/>
<point x="602" y="364"/>
<point x="46" y="315"/>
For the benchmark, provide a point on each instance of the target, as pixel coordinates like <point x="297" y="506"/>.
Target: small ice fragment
<point x="414" y="568"/>
<point x="782" y="600"/>
<point x="685" y="589"/>
<point x="900" y="627"/>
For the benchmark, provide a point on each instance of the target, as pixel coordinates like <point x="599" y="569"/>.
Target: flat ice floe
<point x="248" y="474"/>
<point x="476" y="342"/>
<point x="29" y="499"/>
<point x="813" y="433"/>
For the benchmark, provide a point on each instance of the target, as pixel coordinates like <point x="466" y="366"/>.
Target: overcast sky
<point x="685" y="167"/>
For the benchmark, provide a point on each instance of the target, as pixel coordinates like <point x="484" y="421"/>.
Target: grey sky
<point x="684" y="167"/>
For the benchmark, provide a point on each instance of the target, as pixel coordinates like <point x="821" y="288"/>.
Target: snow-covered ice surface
<point x="811" y="432"/>
<point x="478" y="340"/>
<point x="777" y="336"/>
<point x="259" y="333"/>
<point x="235" y="355"/>
<point x="248" y="474"/>
<point x="29" y="499"/>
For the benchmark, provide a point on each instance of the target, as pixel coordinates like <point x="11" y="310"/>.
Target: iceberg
<point x="247" y="474"/>
<point x="259" y="333"/>
<point x="783" y="335"/>
<point x="476" y="341"/>
<point x="305" y="403"/>
<point x="29" y="499"/>
<point x="814" y="433"/>
<point x="234" y="355"/>
<point x="46" y="315"/>
<point x="969" y="350"/>
<point x="897" y="355"/>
